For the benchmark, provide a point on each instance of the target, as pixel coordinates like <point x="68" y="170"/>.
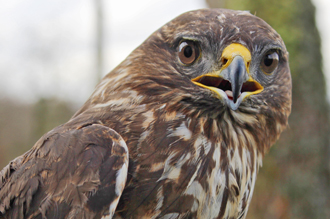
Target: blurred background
<point x="53" y="53"/>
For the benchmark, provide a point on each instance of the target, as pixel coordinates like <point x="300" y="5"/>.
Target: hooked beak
<point x="233" y="82"/>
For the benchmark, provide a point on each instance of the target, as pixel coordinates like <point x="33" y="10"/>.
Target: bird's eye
<point x="188" y="52"/>
<point x="269" y="62"/>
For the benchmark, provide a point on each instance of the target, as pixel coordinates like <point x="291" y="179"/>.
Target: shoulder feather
<point x="69" y="173"/>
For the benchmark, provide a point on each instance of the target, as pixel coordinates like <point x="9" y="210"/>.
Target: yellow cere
<point x="236" y="49"/>
<point x="229" y="53"/>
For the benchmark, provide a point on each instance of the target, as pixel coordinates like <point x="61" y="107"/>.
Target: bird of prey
<point x="177" y="130"/>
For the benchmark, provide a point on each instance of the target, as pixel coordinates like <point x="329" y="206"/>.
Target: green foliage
<point x="294" y="181"/>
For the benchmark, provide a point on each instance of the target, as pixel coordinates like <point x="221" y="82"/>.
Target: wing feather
<point x="69" y="173"/>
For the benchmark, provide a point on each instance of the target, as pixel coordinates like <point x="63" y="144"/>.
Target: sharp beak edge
<point x="233" y="81"/>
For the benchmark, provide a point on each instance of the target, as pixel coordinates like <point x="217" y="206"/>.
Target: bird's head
<point x="220" y="58"/>
<point x="211" y="61"/>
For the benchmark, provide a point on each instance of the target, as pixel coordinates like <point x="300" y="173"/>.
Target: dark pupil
<point x="188" y="51"/>
<point x="268" y="61"/>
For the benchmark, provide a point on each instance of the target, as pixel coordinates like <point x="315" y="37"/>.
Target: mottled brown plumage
<point x="177" y="130"/>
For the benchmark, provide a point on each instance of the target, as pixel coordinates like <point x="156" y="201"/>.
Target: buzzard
<point x="177" y="130"/>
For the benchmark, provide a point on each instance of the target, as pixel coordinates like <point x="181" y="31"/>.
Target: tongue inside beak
<point x="215" y="83"/>
<point x="229" y="94"/>
<point x="233" y="82"/>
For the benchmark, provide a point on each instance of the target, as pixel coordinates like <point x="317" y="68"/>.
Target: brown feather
<point x="190" y="154"/>
<point x="63" y="172"/>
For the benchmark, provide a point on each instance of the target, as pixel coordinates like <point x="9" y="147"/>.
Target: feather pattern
<point x="66" y="169"/>
<point x="149" y="143"/>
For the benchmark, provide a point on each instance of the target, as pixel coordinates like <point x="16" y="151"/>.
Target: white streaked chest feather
<point x="232" y="183"/>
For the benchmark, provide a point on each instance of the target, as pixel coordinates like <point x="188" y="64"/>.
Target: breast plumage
<point x="177" y="130"/>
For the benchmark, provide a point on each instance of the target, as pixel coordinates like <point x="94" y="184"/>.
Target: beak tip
<point x="233" y="105"/>
<point x="236" y="96"/>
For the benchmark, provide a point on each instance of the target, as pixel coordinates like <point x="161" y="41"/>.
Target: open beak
<point x="233" y="82"/>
